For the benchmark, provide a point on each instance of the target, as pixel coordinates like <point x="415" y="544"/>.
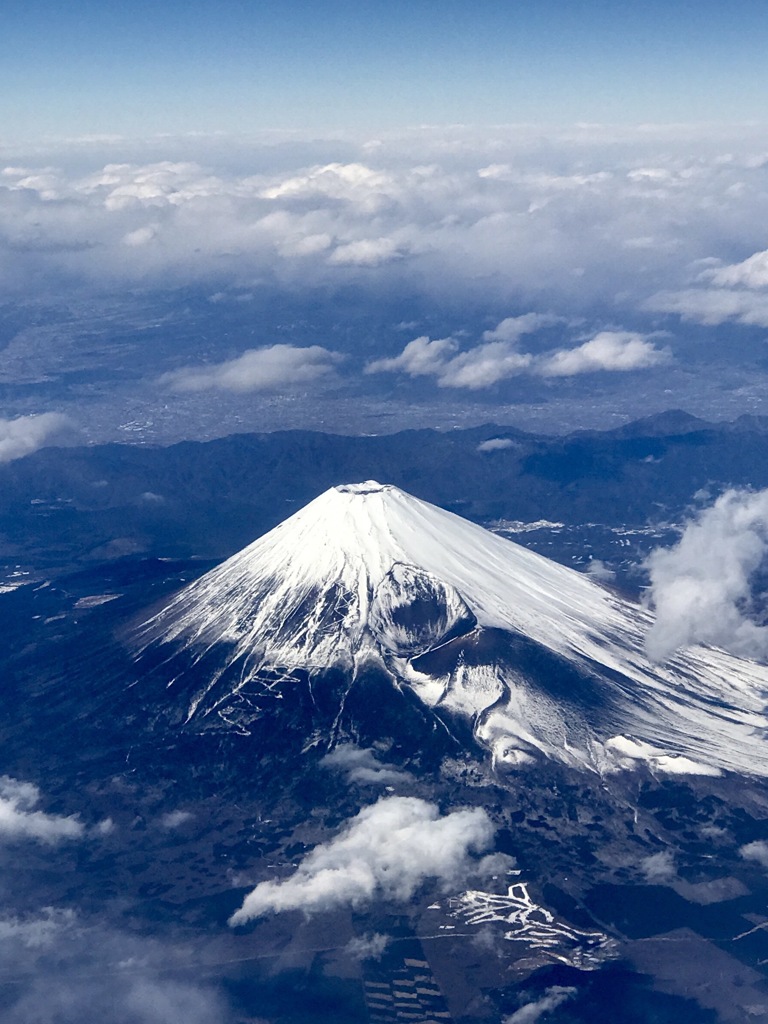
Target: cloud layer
<point x="66" y="970"/>
<point x="386" y="851"/>
<point x="579" y="217"/>
<point x="701" y="587"/>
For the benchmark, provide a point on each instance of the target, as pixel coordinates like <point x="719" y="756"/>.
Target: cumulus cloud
<point x="550" y="1000"/>
<point x="386" y="851"/>
<point x="360" y="765"/>
<point x="335" y="180"/>
<point x="477" y="368"/>
<point x="421" y="357"/>
<point x="20" y="820"/>
<point x="483" y="366"/>
<point x="576" y="216"/>
<point x="492" y="361"/>
<point x="701" y="587"/>
<point x="750" y="273"/>
<point x="608" y="350"/>
<point x="756" y="851"/>
<point x="260" y="369"/>
<point x="25" y="434"/>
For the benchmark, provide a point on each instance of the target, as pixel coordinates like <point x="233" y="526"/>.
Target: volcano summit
<point x="539" y="659"/>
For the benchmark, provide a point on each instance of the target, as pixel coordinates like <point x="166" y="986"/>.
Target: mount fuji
<point x="368" y="593"/>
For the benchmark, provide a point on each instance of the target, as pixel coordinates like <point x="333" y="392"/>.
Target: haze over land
<point x="366" y="217"/>
<point x="552" y="279"/>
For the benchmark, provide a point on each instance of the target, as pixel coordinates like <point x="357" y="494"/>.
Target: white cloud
<point x="25" y="434"/>
<point x="20" y="820"/>
<point x="750" y="273"/>
<point x="38" y="931"/>
<point x="420" y="358"/>
<point x="532" y="1012"/>
<point x="367" y="947"/>
<point x="477" y="368"/>
<point x="493" y="361"/>
<point x="512" y="328"/>
<point x="66" y="970"/>
<point x="483" y="366"/>
<point x="173" y="819"/>
<point x="141" y="236"/>
<point x="387" y="851"/>
<point x="505" y="215"/>
<point x="598" y="570"/>
<point x="608" y="350"/>
<point x="713" y="306"/>
<point x="756" y="851"/>
<point x="367" y="252"/>
<point x="659" y="867"/>
<point x="259" y="369"/>
<point x="362" y="766"/>
<point x="496" y="444"/>
<point x="335" y="180"/>
<point x="700" y="587"/>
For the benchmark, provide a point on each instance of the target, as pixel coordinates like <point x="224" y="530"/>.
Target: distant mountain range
<point x="67" y="507"/>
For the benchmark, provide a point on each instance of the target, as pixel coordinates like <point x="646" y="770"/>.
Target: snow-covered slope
<point x="542" y="658"/>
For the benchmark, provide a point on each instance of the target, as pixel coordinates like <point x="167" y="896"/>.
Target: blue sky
<point x="89" y="67"/>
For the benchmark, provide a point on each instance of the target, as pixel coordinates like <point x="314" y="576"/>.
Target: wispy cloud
<point x="36" y="931"/>
<point x="65" y="969"/>
<point x="713" y="306"/>
<point x="367" y="947"/>
<point x="361" y="765"/>
<point x="550" y="1000"/>
<point x="386" y="851"/>
<point x="262" y="369"/>
<point x="512" y="328"/>
<point x="659" y="867"/>
<point x="26" y="434"/>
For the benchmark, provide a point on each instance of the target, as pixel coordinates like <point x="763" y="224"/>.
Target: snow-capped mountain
<point x="541" y="659"/>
